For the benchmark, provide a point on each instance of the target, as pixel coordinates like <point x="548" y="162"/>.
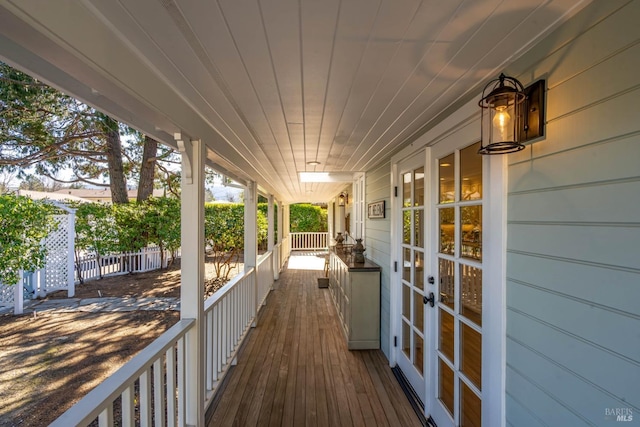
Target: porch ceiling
<point x="273" y="85"/>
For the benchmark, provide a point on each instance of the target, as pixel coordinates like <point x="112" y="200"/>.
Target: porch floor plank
<point x="295" y="368"/>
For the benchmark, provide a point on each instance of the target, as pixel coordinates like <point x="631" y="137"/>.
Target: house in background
<point x="509" y="283"/>
<point x="103" y="194"/>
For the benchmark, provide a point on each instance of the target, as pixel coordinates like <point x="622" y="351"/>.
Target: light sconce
<point x="343" y="199"/>
<point x="510" y="115"/>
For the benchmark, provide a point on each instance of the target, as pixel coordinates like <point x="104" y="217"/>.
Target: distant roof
<point x="102" y="193"/>
<point x="39" y="195"/>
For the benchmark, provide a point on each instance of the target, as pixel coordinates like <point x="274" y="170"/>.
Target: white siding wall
<point x="573" y="258"/>
<point x="377" y="244"/>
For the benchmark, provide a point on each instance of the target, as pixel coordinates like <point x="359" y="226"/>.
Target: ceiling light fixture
<point x="313" y="163"/>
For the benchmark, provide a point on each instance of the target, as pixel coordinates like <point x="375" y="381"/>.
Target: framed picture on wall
<point x="375" y="210"/>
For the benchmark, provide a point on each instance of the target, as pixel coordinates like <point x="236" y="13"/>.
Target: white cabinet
<point x="355" y="289"/>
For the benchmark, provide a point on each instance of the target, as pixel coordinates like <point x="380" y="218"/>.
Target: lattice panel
<point x="6" y="295"/>
<point x="59" y="248"/>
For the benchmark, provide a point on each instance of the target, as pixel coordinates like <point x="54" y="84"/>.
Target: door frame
<point x="461" y="129"/>
<point x="396" y="249"/>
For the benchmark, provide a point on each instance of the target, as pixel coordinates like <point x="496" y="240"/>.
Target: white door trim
<point x="495" y="207"/>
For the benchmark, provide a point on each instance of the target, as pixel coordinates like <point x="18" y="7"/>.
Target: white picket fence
<point x="147" y="259"/>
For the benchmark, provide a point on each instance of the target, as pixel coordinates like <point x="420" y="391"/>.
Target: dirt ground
<point x="49" y="362"/>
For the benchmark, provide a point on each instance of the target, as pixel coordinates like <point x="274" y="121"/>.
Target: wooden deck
<point x="295" y="369"/>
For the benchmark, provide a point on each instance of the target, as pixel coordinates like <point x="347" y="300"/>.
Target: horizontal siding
<point x="542" y="338"/>
<point x="378" y="243"/>
<point x="613" y="161"/>
<point x="615" y="246"/>
<point x="517" y="410"/>
<point x="573" y="257"/>
<point x="589" y="283"/>
<point x="575" y="318"/>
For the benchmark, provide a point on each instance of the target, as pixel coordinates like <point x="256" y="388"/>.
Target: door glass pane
<point x="445" y="389"/>
<point x="470" y="407"/>
<point x="419" y="273"/>
<point x="418" y="187"/>
<point x="447" y="231"/>
<point x="406" y="264"/>
<point x="471" y="231"/>
<point x="418" y="310"/>
<point x="447" y="283"/>
<point x="471" y="293"/>
<point x="418" y="224"/>
<point x="406" y="190"/>
<point x="406" y="302"/>
<point x="471" y="354"/>
<point x="406" y="227"/>
<point x="418" y="353"/>
<point x="446" y="335"/>
<point x="446" y="172"/>
<point x="406" y="339"/>
<point x="471" y="173"/>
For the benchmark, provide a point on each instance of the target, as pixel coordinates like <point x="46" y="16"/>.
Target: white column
<point x="271" y="224"/>
<point x="271" y="220"/>
<point x="286" y="227"/>
<point x="192" y="274"/>
<point x="331" y="220"/>
<point x="280" y="234"/>
<point x="251" y="236"/>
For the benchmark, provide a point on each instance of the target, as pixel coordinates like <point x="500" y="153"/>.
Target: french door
<point x="412" y="330"/>
<point x="450" y="294"/>
<point x="456" y="359"/>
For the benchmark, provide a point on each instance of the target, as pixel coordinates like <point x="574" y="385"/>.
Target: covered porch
<point x="280" y="359"/>
<point x="295" y="369"/>
<point x="369" y="107"/>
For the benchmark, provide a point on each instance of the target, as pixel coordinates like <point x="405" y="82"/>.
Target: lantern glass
<point x="500" y="116"/>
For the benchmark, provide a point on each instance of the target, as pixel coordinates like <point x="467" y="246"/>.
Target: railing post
<point x="192" y="276"/>
<point x="271" y="237"/>
<point x="71" y="237"/>
<point x="251" y="237"/>
<point x="18" y="296"/>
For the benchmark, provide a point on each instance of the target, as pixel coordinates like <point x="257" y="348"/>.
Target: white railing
<point x="228" y="316"/>
<point x="157" y="365"/>
<point x="309" y="241"/>
<point x="147" y="259"/>
<point x="285" y="251"/>
<point x="265" y="276"/>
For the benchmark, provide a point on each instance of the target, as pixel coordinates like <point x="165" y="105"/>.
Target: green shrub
<point x="24" y="224"/>
<point x="305" y="217"/>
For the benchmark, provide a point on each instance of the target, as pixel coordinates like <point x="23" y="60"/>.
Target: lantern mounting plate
<point x="532" y="114"/>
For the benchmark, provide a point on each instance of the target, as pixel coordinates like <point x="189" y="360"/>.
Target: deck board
<point x="295" y="369"/>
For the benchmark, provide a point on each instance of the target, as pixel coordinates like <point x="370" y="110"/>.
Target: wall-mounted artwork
<point x="375" y="210"/>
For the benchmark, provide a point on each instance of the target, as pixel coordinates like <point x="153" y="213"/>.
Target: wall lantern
<point x="510" y="115"/>
<point x="343" y="199"/>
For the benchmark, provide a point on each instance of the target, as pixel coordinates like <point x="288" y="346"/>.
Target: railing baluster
<point x="159" y="394"/>
<point x="181" y="383"/>
<point x="170" y="358"/>
<point x="105" y="419"/>
<point x="208" y="329"/>
<point x="128" y="407"/>
<point x="145" y="398"/>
